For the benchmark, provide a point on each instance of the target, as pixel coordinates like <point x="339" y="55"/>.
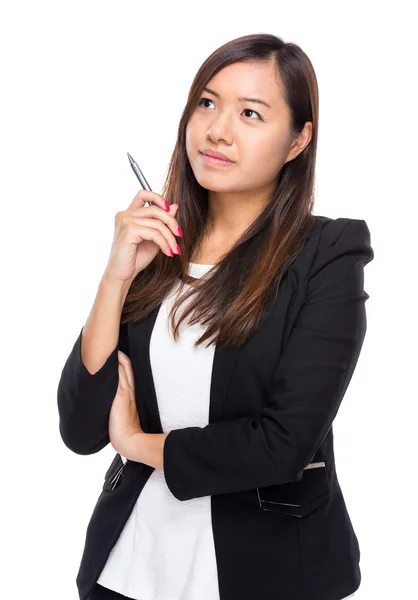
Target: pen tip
<point x="130" y="157"/>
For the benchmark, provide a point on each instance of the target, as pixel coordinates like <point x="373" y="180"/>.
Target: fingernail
<point x="166" y="206"/>
<point x="178" y="249"/>
<point x="179" y="230"/>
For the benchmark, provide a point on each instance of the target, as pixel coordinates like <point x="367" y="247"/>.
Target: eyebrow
<point x="242" y="99"/>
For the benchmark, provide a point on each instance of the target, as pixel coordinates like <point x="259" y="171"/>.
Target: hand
<point x="124" y="419"/>
<point x="140" y="233"/>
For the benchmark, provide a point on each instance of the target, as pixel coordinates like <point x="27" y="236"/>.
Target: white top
<point x="166" y="548"/>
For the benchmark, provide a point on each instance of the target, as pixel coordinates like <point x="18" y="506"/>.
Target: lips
<point x="216" y="162"/>
<point x="217" y="155"/>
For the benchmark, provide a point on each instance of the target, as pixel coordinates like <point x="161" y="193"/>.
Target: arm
<point x="85" y="397"/>
<point x="308" y="385"/>
<point x="146" y="448"/>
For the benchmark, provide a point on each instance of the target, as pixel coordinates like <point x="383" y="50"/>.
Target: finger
<point x="129" y="374"/>
<point x="155" y="214"/>
<point x="161" y="224"/>
<point x="166" y="233"/>
<point x="148" y="196"/>
<point x="152" y="235"/>
<point x="123" y="380"/>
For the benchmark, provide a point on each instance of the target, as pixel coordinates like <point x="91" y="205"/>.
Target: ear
<point x="300" y="143"/>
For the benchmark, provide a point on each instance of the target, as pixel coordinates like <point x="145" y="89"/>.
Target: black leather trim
<point x="114" y="473"/>
<point x="297" y="498"/>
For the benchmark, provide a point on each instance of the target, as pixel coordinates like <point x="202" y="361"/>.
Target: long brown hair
<point x="229" y="299"/>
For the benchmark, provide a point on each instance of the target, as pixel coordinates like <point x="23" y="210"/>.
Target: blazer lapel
<point x="140" y="336"/>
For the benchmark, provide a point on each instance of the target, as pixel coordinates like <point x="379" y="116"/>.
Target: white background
<point x="85" y="82"/>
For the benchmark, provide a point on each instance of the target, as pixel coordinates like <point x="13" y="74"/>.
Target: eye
<point x="245" y="109"/>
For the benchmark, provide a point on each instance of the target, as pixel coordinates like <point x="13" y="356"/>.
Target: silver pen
<point x="140" y="177"/>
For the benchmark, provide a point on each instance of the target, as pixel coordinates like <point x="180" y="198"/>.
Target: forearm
<point x="147" y="448"/>
<point x="89" y="378"/>
<point x="101" y="330"/>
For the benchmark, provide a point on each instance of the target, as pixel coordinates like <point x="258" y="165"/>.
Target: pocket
<point x="113" y="474"/>
<point x="298" y="498"/>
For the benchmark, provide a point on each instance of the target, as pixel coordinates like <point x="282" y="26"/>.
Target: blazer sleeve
<point x="309" y="383"/>
<point x="85" y="399"/>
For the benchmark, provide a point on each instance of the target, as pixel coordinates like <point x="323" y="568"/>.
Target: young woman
<point x="224" y="485"/>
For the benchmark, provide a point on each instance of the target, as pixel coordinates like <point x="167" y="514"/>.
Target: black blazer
<point x="281" y="530"/>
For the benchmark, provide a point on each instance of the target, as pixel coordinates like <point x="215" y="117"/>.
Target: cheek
<point x="188" y="139"/>
<point x="193" y="140"/>
<point x="262" y="160"/>
<point x="193" y="130"/>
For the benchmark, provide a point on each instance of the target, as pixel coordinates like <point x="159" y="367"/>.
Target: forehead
<point x="249" y="79"/>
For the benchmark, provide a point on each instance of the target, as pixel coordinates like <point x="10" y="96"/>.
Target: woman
<point x="224" y="483"/>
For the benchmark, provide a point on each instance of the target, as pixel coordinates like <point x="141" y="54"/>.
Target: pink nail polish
<point x="179" y="230"/>
<point x="178" y="249"/>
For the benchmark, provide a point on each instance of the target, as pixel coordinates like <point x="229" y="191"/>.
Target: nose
<point x="220" y="129"/>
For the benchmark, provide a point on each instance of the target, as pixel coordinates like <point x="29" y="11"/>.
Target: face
<point x="252" y="135"/>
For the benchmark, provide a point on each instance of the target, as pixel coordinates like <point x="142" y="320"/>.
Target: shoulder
<point x="341" y="237"/>
<point x="331" y="230"/>
<point x="329" y="238"/>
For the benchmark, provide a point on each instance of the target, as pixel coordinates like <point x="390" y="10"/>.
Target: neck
<point x="231" y="213"/>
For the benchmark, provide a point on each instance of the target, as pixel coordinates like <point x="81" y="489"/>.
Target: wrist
<point x="112" y="280"/>
<point x="147" y="448"/>
<point x="113" y="285"/>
